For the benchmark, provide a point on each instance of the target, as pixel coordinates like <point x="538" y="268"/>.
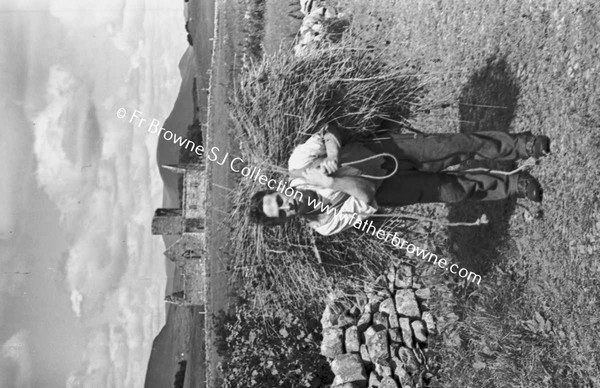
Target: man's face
<point x="278" y="205"/>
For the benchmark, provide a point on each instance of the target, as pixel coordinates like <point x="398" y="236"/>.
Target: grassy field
<point x="496" y="65"/>
<point x="533" y="321"/>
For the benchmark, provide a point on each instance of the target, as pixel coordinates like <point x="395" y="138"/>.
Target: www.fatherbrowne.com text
<point x="254" y="173"/>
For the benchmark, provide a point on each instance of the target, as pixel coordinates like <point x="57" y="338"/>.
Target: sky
<point x="81" y="277"/>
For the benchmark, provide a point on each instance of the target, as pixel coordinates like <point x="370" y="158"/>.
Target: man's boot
<point x="529" y="187"/>
<point x="538" y="146"/>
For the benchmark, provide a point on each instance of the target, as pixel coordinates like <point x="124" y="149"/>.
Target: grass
<point x="284" y="20"/>
<point x="503" y="65"/>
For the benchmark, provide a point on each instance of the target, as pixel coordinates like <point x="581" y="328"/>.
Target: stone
<point x="404" y="378"/>
<point x="351" y="340"/>
<point x="408" y="360"/>
<point x="396" y="363"/>
<point x="377" y="344"/>
<point x="345" y="320"/>
<point x="406" y="304"/>
<point x="391" y="274"/>
<point x="369" y="333"/>
<point x="363" y="322"/>
<point x="333" y="343"/>
<point x="391" y="278"/>
<point x="423" y="293"/>
<point x="420" y="356"/>
<point x="348" y="368"/>
<point x="405" y="329"/>
<point x="364" y="355"/>
<point x="373" y="380"/>
<point x="419" y="331"/>
<point x="395" y="335"/>
<point x="374" y="301"/>
<point x="394" y="349"/>
<point x="403" y="276"/>
<point x="429" y="378"/>
<point x="380" y="320"/>
<point x="381" y="282"/>
<point x="429" y="321"/>
<point x="328" y="319"/>
<point x="388" y="382"/>
<point x="349" y="385"/>
<point x="383" y="367"/>
<point x="388" y="307"/>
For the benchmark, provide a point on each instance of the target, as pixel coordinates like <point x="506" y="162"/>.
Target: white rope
<point x="482" y="220"/>
<point x="526" y="164"/>
<point x="374" y="157"/>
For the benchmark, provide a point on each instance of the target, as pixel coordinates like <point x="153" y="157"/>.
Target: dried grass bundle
<point x="277" y="105"/>
<point x="287" y="97"/>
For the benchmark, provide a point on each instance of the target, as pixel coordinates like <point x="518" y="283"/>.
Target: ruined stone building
<point x="187" y="222"/>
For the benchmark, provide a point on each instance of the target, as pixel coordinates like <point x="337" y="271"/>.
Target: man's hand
<point x="360" y="188"/>
<point x="316" y="176"/>
<point x="330" y="165"/>
<point x="332" y="142"/>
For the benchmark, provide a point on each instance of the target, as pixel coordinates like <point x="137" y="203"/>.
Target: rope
<point x="482" y="220"/>
<point x="383" y="154"/>
<point x="374" y="157"/>
<point x="526" y="164"/>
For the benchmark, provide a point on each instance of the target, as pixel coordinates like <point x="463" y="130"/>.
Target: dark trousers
<point x="419" y="178"/>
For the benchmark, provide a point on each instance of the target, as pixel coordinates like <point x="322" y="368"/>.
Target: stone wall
<point x="383" y="341"/>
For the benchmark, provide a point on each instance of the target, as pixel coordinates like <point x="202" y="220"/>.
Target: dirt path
<point x="219" y="177"/>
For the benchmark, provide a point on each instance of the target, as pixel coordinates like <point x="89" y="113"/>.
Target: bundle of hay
<point x="288" y="98"/>
<point x="278" y="105"/>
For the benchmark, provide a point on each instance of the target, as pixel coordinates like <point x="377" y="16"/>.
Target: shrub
<point x="280" y="350"/>
<point x="180" y="375"/>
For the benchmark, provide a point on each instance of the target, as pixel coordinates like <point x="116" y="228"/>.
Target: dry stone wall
<point x="382" y="342"/>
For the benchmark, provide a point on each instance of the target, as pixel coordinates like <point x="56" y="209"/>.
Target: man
<point x="327" y="191"/>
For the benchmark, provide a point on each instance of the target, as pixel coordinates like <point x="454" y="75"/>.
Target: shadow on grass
<point x="486" y="103"/>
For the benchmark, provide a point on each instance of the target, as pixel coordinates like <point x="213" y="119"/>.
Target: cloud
<point x="16" y="351"/>
<point x="83" y="141"/>
<point x="63" y="180"/>
<point x="94" y="370"/>
<point x="91" y="191"/>
<point x="97" y="202"/>
<point x="76" y="299"/>
<point x="113" y="269"/>
<point x="116" y="354"/>
<point x="95" y="268"/>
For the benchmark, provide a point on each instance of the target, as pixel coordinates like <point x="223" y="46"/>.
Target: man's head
<point x="270" y="207"/>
